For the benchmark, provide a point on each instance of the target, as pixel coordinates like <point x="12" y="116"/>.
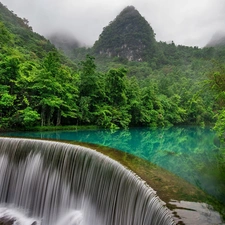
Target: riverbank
<point x="50" y="128"/>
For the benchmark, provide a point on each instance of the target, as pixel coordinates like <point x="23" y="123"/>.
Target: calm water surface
<point x="188" y="152"/>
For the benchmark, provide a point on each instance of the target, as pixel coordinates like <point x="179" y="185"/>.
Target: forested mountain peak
<point x="128" y="36"/>
<point x="129" y="10"/>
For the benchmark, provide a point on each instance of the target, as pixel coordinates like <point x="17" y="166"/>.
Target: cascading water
<point x="51" y="183"/>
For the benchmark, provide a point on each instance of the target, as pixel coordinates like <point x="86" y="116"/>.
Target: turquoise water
<point x="188" y="152"/>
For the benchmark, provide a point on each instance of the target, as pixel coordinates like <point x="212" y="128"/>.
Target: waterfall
<point x="52" y="183"/>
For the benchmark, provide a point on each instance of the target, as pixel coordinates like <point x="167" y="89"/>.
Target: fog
<point x="191" y="23"/>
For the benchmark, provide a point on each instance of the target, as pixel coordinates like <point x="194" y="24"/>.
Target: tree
<point x="56" y="91"/>
<point x="116" y="95"/>
<point x="92" y="90"/>
<point x="88" y="77"/>
<point x="6" y="38"/>
<point x="6" y="108"/>
<point x="29" y="117"/>
<point x="69" y="94"/>
<point x="134" y="100"/>
<point x="26" y="104"/>
<point x="116" y="87"/>
<point x="217" y="84"/>
<point x="9" y="67"/>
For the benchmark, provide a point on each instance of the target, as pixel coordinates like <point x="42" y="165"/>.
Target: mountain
<point x="217" y="40"/>
<point x="64" y="41"/>
<point x="23" y="34"/>
<point x="128" y="36"/>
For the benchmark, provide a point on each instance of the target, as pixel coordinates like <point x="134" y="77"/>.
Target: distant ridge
<point x="128" y="36"/>
<point x="217" y="40"/>
<point x="64" y="41"/>
<point x="23" y="33"/>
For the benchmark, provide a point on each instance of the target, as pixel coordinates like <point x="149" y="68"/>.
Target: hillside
<point x="23" y="34"/>
<point x="128" y="36"/>
<point x="217" y="40"/>
<point x="65" y="42"/>
<point x="34" y="76"/>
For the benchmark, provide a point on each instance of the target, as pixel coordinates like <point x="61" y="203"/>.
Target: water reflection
<point x="188" y="152"/>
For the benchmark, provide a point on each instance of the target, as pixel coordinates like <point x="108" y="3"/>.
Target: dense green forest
<point x="40" y="86"/>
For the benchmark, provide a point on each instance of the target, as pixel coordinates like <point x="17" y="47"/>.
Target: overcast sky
<point x="186" y="22"/>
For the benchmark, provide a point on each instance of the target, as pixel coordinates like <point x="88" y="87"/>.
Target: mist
<point x="190" y="23"/>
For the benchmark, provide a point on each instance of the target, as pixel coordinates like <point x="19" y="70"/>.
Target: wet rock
<point x="6" y="221"/>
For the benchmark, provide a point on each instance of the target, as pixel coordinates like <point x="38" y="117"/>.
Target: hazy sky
<point x="186" y="22"/>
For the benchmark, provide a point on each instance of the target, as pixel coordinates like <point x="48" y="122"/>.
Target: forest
<point x="41" y="86"/>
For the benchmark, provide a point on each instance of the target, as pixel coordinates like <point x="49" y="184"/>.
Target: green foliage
<point x="116" y="87"/>
<point x="6" y="108"/>
<point x="220" y="124"/>
<point x="216" y="80"/>
<point x="6" y="38"/>
<point x="29" y="117"/>
<point x="88" y="75"/>
<point x="7" y="100"/>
